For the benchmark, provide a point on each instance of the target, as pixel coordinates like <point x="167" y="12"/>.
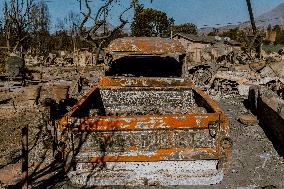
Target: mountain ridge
<point x="272" y="17"/>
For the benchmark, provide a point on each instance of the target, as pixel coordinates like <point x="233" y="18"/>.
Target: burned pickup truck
<point x="145" y="123"/>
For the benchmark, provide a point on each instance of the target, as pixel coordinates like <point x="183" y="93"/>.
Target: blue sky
<point x="199" y="12"/>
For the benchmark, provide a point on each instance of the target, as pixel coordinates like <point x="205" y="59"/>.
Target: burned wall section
<point x="269" y="108"/>
<point x="14" y="66"/>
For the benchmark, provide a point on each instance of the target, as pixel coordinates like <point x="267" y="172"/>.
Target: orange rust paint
<point x="144" y="45"/>
<point x="109" y="82"/>
<point x="105" y="123"/>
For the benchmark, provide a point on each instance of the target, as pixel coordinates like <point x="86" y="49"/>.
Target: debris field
<point x="247" y="92"/>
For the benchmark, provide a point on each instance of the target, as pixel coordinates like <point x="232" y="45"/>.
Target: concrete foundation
<point x="269" y="108"/>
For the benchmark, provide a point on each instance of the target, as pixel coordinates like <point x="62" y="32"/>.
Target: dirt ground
<point x="255" y="163"/>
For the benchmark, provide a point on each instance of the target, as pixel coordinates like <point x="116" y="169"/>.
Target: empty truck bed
<point x="133" y="131"/>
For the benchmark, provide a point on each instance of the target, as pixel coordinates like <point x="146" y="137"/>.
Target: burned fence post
<point x="25" y="155"/>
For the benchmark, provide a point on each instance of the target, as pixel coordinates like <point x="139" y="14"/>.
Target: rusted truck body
<point x="143" y="127"/>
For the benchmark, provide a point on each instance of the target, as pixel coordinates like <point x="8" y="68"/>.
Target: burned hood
<point x="155" y="46"/>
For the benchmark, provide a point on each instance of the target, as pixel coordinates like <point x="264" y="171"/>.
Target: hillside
<point x="272" y="17"/>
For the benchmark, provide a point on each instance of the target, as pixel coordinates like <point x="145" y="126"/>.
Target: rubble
<point x="34" y="60"/>
<point x="36" y="75"/>
<point x="30" y="95"/>
<point x="233" y="82"/>
<point x="273" y="70"/>
<point x="248" y="120"/>
<point x="14" y="66"/>
<point x="230" y="79"/>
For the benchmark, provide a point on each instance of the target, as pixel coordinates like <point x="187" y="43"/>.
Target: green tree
<point x="235" y="34"/>
<point x="279" y="37"/>
<point x="279" y="34"/>
<point x="187" y="28"/>
<point x="149" y="22"/>
<point x="277" y="28"/>
<point x="215" y="32"/>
